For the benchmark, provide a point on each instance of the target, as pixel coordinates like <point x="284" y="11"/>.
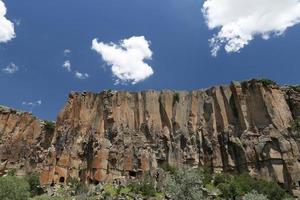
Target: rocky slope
<point x="113" y="135"/>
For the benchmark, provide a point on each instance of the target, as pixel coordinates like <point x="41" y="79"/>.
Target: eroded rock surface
<point x="116" y="135"/>
<point x="241" y="127"/>
<point x="24" y="141"/>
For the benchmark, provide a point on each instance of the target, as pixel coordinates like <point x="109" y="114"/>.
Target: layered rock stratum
<point x="243" y="127"/>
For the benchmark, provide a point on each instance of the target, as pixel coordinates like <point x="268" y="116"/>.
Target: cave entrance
<point x="132" y="173"/>
<point x="62" y="179"/>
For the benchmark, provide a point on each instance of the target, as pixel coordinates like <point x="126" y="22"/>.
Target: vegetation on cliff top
<point x="49" y="125"/>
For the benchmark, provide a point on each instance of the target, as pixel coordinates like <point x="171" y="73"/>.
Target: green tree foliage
<point x="233" y="187"/>
<point x="46" y="197"/>
<point x="176" y="98"/>
<point x="14" y="188"/>
<point x="267" y="82"/>
<point x="296" y="125"/>
<point x="49" y="125"/>
<point x="34" y="183"/>
<point x="77" y="186"/>
<point x="253" y="195"/>
<point x="184" y="184"/>
<point x="168" y="168"/>
<point x="144" y="187"/>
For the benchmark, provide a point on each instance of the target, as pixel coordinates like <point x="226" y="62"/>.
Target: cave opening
<point x="62" y="179"/>
<point x="132" y="173"/>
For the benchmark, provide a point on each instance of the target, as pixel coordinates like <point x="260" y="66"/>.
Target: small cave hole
<point x="62" y="179"/>
<point x="52" y="184"/>
<point x="95" y="182"/>
<point x="132" y="173"/>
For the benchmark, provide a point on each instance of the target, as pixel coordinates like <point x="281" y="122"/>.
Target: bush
<point x="144" y="187"/>
<point x="49" y="125"/>
<point x="253" y="195"/>
<point x="110" y="190"/>
<point x="296" y="88"/>
<point x="76" y="185"/>
<point x="207" y="176"/>
<point x="267" y="82"/>
<point x="185" y="184"/>
<point x="296" y="125"/>
<point x="46" y="197"/>
<point x="34" y="183"/>
<point x="242" y="184"/>
<point x="271" y="189"/>
<point x="12" y="172"/>
<point x="168" y="168"/>
<point x="222" y="178"/>
<point x="14" y="188"/>
<point x="176" y="98"/>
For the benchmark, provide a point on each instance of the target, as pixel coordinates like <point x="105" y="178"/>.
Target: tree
<point x="14" y="188"/>
<point x="253" y="195"/>
<point x="184" y="184"/>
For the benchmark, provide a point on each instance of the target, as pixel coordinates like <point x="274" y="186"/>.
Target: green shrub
<point x="296" y="88"/>
<point x="34" y="183"/>
<point x="14" y="188"/>
<point x="242" y="184"/>
<point x="12" y="172"/>
<point x="110" y="190"/>
<point x="185" y="184"/>
<point x="253" y="195"/>
<point x="49" y="125"/>
<point x="176" y="98"/>
<point x="267" y="82"/>
<point x="222" y="178"/>
<point x="76" y="185"/>
<point x="168" y="168"/>
<point x="296" y="125"/>
<point x="144" y="188"/>
<point x="271" y="189"/>
<point x="46" y="197"/>
<point x="207" y="176"/>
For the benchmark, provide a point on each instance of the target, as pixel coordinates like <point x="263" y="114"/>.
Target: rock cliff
<point x="24" y="141"/>
<point x="245" y="126"/>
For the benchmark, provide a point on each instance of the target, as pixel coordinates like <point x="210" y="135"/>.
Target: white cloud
<point x="67" y="65"/>
<point x="10" y="69"/>
<point x="7" y="31"/>
<point x="67" y="52"/>
<point x="17" y="21"/>
<point x="127" y="58"/>
<point x="32" y="104"/>
<point x="240" y="21"/>
<point x="81" y="76"/>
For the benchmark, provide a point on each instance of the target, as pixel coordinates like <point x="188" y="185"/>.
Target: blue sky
<point x="179" y="42"/>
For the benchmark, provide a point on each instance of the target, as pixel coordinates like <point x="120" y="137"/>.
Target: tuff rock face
<point x="116" y="135"/>
<point x="241" y="127"/>
<point x="24" y="141"/>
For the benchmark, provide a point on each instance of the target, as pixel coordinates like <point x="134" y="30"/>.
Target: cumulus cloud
<point x="67" y="65"/>
<point x="10" y="69"/>
<point x="239" y="21"/>
<point x="7" y="31"/>
<point x="81" y="76"/>
<point x="127" y="58"/>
